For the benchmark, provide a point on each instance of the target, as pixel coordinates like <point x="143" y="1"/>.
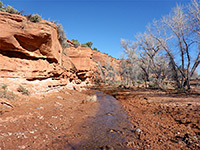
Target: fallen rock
<point x="78" y="81"/>
<point x="92" y="98"/>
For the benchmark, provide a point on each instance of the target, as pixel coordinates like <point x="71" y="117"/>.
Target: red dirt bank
<point x="67" y="120"/>
<point x="166" y="121"/>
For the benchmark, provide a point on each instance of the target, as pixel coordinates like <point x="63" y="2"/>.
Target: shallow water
<point x="109" y="129"/>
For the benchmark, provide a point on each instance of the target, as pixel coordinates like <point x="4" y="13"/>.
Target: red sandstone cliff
<point x="87" y="60"/>
<point x="32" y="51"/>
<point x="29" y="50"/>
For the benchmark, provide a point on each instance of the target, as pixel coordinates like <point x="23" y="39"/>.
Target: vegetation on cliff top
<point x="33" y="18"/>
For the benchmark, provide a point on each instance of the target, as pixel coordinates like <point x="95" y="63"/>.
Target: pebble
<point x="54" y="116"/>
<point x="9" y="133"/>
<point x="162" y="118"/>
<point x="58" y="104"/>
<point x="111" y="131"/>
<point x="4" y="134"/>
<point x="55" y="128"/>
<point x="74" y="101"/>
<point x="109" y="114"/>
<point x="22" y="147"/>
<point x="39" y="108"/>
<point x="107" y="147"/>
<point x="92" y="98"/>
<point x="59" y="97"/>
<point x="130" y="143"/>
<point x="67" y="93"/>
<point x="31" y="132"/>
<point x="41" y="117"/>
<point x="138" y="130"/>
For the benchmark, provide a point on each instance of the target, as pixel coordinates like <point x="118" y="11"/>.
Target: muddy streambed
<point x="64" y="120"/>
<point x="67" y="120"/>
<point x="108" y="129"/>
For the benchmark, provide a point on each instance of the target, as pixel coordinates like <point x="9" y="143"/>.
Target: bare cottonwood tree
<point x="149" y="64"/>
<point x="131" y="73"/>
<point x="181" y="46"/>
<point x="153" y="61"/>
<point x="169" y="43"/>
<point x="194" y="16"/>
<point x="194" y="22"/>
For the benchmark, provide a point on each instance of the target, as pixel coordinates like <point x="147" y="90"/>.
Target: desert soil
<point x="76" y="120"/>
<point x="64" y="120"/>
<point x="166" y="120"/>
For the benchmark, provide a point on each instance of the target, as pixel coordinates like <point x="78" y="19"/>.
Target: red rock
<point x="81" y="58"/>
<point x="18" y="36"/>
<point x="29" y="69"/>
<point x="32" y="51"/>
<point x="29" y="50"/>
<point x="86" y="61"/>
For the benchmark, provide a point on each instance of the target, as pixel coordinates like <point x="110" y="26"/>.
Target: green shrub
<point x="84" y="45"/>
<point x="7" y="95"/>
<point x="35" y="18"/>
<point x="1" y="4"/>
<point x="96" y="49"/>
<point x="4" y="86"/>
<point x="23" y="90"/>
<point x="9" y="9"/>
<point x="76" y="43"/>
<point x="89" y="44"/>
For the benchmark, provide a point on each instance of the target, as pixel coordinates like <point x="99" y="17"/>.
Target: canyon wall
<point x="32" y="51"/>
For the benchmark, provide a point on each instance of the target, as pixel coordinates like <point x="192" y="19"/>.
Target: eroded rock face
<point x="29" y="50"/>
<point x="104" y="59"/>
<point x="32" y="51"/>
<point x="67" y="64"/>
<point x="86" y="62"/>
<point x="108" y="61"/>
<point x="81" y="57"/>
<point x="21" y="38"/>
<point x="28" y="69"/>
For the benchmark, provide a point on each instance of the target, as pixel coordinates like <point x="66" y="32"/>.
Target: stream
<point x="109" y="129"/>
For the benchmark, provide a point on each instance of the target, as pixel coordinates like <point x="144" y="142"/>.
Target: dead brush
<point x="23" y="90"/>
<point x="4" y="93"/>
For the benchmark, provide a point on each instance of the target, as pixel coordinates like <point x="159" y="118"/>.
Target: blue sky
<point x="103" y="22"/>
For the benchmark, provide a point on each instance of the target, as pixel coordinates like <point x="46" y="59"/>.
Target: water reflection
<point x="110" y="127"/>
